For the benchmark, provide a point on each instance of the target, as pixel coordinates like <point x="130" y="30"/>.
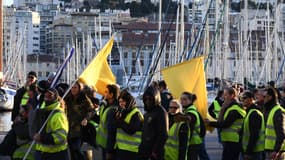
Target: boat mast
<point x="1" y="37"/>
<point x="226" y="51"/>
<point x="245" y="44"/>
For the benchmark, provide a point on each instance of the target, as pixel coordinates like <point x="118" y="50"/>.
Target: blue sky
<point x="7" y="2"/>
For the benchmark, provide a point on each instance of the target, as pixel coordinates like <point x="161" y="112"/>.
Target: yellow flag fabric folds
<point x="98" y="73"/>
<point x="188" y="76"/>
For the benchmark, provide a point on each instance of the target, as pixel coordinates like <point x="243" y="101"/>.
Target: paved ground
<point x="213" y="148"/>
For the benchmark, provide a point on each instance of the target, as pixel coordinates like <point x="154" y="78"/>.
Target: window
<point x="47" y="73"/>
<point x="133" y="54"/>
<point x="47" y="64"/>
<point x="126" y="55"/>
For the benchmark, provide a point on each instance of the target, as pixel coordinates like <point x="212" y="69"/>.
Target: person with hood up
<point x="129" y="126"/>
<point x="155" y="127"/>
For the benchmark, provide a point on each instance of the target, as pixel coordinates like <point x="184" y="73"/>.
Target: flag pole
<point x="51" y="113"/>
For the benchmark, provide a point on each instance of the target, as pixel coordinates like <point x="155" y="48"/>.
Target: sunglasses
<point x="31" y="77"/>
<point x="173" y="107"/>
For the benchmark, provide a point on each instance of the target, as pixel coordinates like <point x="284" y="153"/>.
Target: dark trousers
<point x="231" y="151"/>
<point x="256" y="156"/>
<point x="9" y="144"/>
<point x="62" y="155"/>
<point x="193" y="152"/>
<point x="203" y="155"/>
<point x="75" y="148"/>
<point x="124" y="155"/>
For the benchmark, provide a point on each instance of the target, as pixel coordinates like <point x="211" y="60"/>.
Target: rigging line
<point x="269" y="49"/>
<point x="117" y="44"/>
<point x="280" y="72"/>
<point x="156" y="44"/>
<point x="161" y="50"/>
<point x="200" y="32"/>
<point x="217" y="32"/>
<point x="137" y="56"/>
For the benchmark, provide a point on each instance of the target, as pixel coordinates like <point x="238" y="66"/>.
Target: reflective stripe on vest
<point x="20" y="152"/>
<point x="126" y="141"/>
<point x="195" y="138"/>
<point x="259" y="146"/>
<point x="25" y="99"/>
<point x="231" y="134"/>
<point x="270" y="134"/>
<point x="57" y="126"/>
<point x="101" y="137"/>
<point x="172" y="144"/>
<point x="217" y="108"/>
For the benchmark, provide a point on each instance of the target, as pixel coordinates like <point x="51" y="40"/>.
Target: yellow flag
<point x="98" y="73"/>
<point x="188" y="76"/>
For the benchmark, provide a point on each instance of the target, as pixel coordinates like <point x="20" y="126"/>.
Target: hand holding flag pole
<point x="98" y="80"/>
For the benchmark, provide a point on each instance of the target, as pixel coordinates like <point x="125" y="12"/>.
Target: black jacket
<point x="255" y="122"/>
<point x="154" y="134"/>
<point x="17" y="101"/>
<point x="278" y="124"/>
<point x="212" y="107"/>
<point x="231" y="118"/>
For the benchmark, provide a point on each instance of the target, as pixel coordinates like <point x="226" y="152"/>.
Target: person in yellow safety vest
<point x="51" y="143"/>
<point x="178" y="136"/>
<point x="253" y="129"/>
<point x="21" y="97"/>
<point x="129" y="126"/>
<point x="106" y="135"/>
<point x="215" y="107"/>
<point x="187" y="99"/>
<point x="20" y="126"/>
<point x="274" y="130"/>
<point x="214" y="110"/>
<point x="230" y="121"/>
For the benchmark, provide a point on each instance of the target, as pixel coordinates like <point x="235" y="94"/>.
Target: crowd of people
<point x="249" y="123"/>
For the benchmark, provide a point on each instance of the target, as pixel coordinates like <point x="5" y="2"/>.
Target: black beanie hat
<point x="43" y="86"/>
<point x="32" y="73"/>
<point x="53" y="91"/>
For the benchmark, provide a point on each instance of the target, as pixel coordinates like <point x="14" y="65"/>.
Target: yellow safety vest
<point x="25" y="99"/>
<point x="217" y="108"/>
<point x="126" y="141"/>
<point x="231" y="134"/>
<point x="270" y="134"/>
<point x="20" y="152"/>
<point x="172" y="144"/>
<point x="195" y="138"/>
<point x="245" y="136"/>
<point x="57" y="126"/>
<point x="101" y="136"/>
